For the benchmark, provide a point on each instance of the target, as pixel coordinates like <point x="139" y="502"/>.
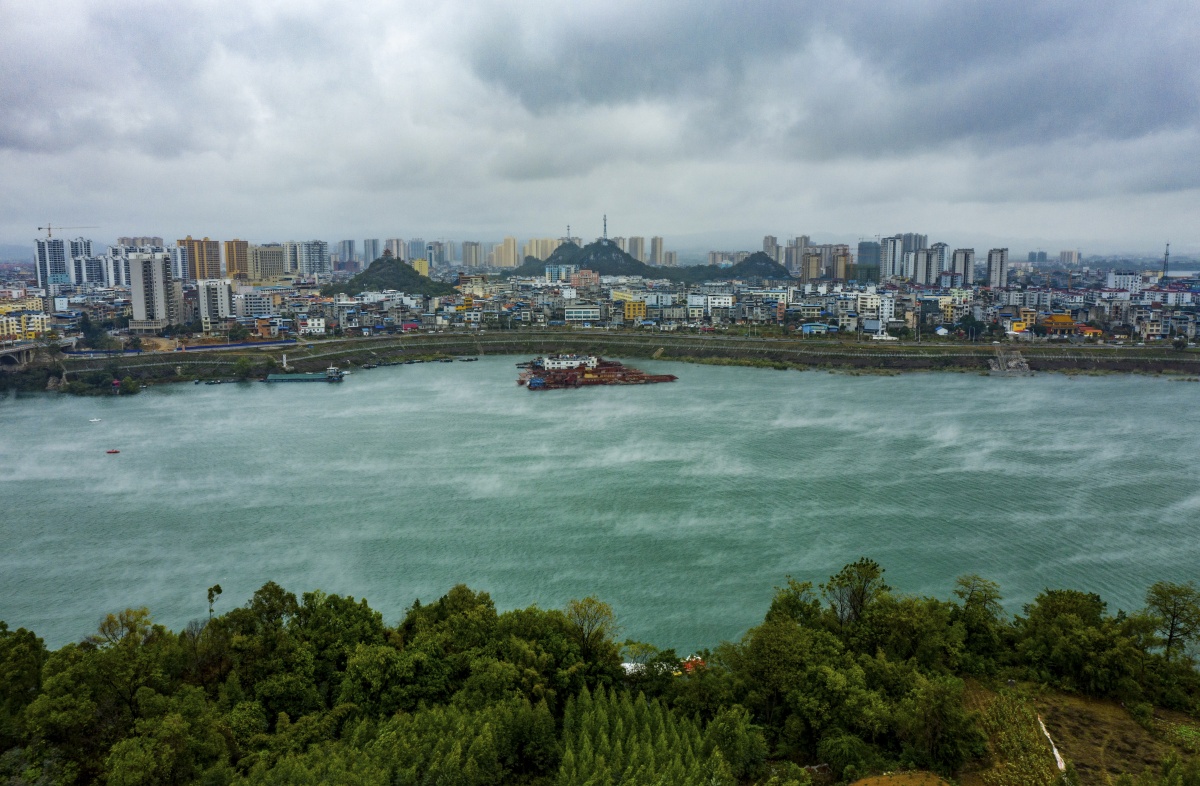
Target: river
<point x="680" y="504"/>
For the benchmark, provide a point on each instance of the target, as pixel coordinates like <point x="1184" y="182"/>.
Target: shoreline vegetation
<point x="94" y="376"/>
<point x="840" y="681"/>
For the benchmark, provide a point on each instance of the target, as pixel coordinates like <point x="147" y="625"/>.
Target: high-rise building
<point x="138" y="242"/>
<point x="941" y="255"/>
<point x="810" y="267"/>
<point x="203" y="257"/>
<point x="891" y="257"/>
<point x="116" y="265"/>
<point x="416" y="249"/>
<point x="621" y="243"/>
<point x="472" y="253"/>
<point x="924" y="266"/>
<point x="637" y="248"/>
<point x="997" y="267"/>
<point x="265" y="262"/>
<point x="237" y="266"/>
<point x="371" y="251"/>
<point x="180" y="267"/>
<point x="670" y="259"/>
<point x="963" y="263"/>
<point x="656" y="251"/>
<point x="314" y="258"/>
<point x="346" y="254"/>
<point x="79" y="247"/>
<point x="398" y="249"/>
<point x="841" y="263"/>
<point x="506" y="253"/>
<point x="1068" y="258"/>
<point x="215" y="297"/>
<point x="50" y="257"/>
<point x="914" y="242"/>
<point x="771" y="247"/>
<point x="156" y="296"/>
<point x="291" y="256"/>
<point x="540" y="248"/>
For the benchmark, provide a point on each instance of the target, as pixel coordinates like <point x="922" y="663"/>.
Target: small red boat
<point x="112" y="451"/>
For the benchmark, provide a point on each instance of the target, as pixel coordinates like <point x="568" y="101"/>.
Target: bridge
<point x="15" y="354"/>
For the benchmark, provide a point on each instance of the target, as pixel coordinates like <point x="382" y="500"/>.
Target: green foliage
<point x="386" y="273"/>
<point x="609" y="737"/>
<point x="22" y="656"/>
<point x="319" y="689"/>
<point x="1022" y="752"/>
<point x="1175" y="609"/>
<point x="608" y="260"/>
<point x="130" y="386"/>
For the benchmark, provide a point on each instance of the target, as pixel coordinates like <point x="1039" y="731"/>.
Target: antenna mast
<point x="1166" y="259"/>
<point x="606" y="226"/>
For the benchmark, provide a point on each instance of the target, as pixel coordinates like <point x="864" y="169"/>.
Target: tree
<point x="242" y="368"/>
<point x="129" y="386"/>
<point x="981" y="615"/>
<point x="135" y="343"/>
<point x="1176" y="609"/>
<point x="852" y="589"/>
<point x="593" y="623"/>
<point x="214" y="592"/>
<point x="238" y="332"/>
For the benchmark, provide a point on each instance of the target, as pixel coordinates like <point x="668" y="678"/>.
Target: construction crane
<point x="49" y="230"/>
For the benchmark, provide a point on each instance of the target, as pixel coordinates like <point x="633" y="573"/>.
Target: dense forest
<point x="838" y="681"/>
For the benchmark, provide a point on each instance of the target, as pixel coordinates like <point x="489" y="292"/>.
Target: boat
<point x="94" y="420"/>
<point x="332" y="374"/>
<point x="558" y="372"/>
<point x="112" y="451"/>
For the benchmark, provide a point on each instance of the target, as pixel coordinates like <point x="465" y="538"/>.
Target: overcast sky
<point x="1053" y="125"/>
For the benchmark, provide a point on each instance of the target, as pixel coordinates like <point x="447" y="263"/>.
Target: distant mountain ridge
<point x="606" y="259"/>
<point x="387" y="273"/>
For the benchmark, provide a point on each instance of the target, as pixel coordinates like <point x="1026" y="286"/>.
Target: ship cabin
<point x="566" y="362"/>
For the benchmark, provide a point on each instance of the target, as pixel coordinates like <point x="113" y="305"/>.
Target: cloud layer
<point x="1071" y="122"/>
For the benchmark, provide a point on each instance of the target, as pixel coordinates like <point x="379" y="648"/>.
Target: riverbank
<point x="864" y="357"/>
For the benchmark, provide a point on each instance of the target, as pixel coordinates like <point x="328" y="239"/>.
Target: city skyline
<point x="1058" y="127"/>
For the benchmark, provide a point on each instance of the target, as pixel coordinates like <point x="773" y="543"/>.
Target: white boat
<point x="94" y="420"/>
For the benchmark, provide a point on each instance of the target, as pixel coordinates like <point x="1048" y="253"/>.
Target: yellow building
<point x="203" y="257"/>
<point x="810" y="269"/>
<point x="237" y="262"/>
<point x="635" y="310"/>
<point x="506" y="253"/>
<point x="622" y="296"/>
<point x="421" y="266"/>
<point x="23" y="325"/>
<point x="24" y="304"/>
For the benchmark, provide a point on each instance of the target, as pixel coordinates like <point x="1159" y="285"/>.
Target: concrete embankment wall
<point x="664" y="346"/>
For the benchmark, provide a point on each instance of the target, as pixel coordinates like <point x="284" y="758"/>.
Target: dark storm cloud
<point x="925" y="74"/>
<point x="309" y="116"/>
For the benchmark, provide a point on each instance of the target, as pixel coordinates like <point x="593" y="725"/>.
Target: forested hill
<point x="386" y="273"/>
<point x="849" y="676"/>
<point x="606" y="259"/>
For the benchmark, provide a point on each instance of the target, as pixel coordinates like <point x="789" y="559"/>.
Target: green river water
<point x="681" y="504"/>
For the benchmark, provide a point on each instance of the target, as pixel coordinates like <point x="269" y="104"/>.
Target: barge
<point x="332" y="374"/>
<point x="558" y="372"/>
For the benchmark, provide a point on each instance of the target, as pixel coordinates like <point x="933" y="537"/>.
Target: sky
<point x="1053" y="125"/>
